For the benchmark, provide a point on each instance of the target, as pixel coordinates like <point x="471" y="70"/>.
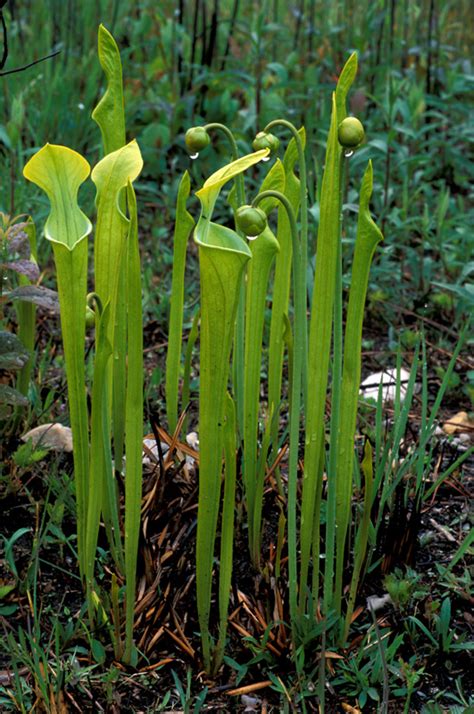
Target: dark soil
<point x="166" y="628"/>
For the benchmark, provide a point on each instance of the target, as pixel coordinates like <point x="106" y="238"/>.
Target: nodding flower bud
<point x="251" y="221"/>
<point x="90" y="317"/>
<point x="196" y="139"/>
<point x="350" y="133"/>
<point x="264" y="140"/>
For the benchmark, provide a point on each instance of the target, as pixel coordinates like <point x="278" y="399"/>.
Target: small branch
<point x="31" y="64"/>
<point x="5" y="41"/>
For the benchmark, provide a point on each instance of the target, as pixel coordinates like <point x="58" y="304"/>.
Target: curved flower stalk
<point x="223" y="255"/>
<point x="320" y="335"/>
<point x="59" y="171"/>
<point x="299" y="293"/>
<point x="182" y="230"/>
<point x="298" y="138"/>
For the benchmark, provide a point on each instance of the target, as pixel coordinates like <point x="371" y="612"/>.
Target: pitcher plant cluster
<point x="236" y="269"/>
<point x="308" y="357"/>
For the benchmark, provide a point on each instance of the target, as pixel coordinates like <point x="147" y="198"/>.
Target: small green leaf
<point x="6" y="589"/>
<point x="98" y="651"/>
<point x="7" y="610"/>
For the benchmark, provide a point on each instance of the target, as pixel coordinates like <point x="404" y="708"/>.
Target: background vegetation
<point x="243" y="63"/>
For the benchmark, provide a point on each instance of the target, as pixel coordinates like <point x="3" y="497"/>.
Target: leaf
<point x="209" y="192"/>
<point x="346" y="78"/>
<point x="23" y="267"/>
<point x="368" y="237"/>
<point x="182" y="230"/>
<point x="13" y="354"/>
<point x="319" y="345"/>
<point x="291" y="153"/>
<point x="98" y="651"/>
<point x="44" y="297"/>
<point x="282" y="280"/>
<point x="7" y="610"/>
<point x="26" y="455"/>
<point x="111" y="104"/>
<point x="12" y="397"/>
<point x="18" y="240"/>
<point x="50" y="436"/>
<point x="111" y="176"/>
<point x="263" y="249"/>
<point x="6" y="589"/>
<point x="273" y="181"/>
<point x="133" y="420"/>
<point x="59" y="171"/>
<point x="223" y="255"/>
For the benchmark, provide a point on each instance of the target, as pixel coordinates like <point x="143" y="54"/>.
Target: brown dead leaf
<point x="351" y="710"/>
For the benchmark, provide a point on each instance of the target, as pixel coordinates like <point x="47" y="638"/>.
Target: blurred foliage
<point x="242" y="64"/>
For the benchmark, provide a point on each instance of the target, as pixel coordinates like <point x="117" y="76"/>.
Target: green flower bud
<point x="90" y="317"/>
<point x="350" y="133"/>
<point x="251" y="221"/>
<point x="196" y="139"/>
<point x="264" y="140"/>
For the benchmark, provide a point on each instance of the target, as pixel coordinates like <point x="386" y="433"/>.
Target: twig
<point x="31" y="64"/>
<point x="5" y="41"/>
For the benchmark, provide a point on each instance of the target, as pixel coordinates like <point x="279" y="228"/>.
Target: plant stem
<point x="304" y="233"/>
<point x="299" y="295"/>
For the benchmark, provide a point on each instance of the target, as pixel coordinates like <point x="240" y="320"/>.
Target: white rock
<point x="369" y="388"/>
<point x="50" y="436"/>
<point x="150" y="451"/>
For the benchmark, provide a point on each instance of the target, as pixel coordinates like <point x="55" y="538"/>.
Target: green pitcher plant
<point x="117" y="389"/>
<point x="253" y="366"/>
<point x="223" y="255"/>
<point x="314" y="367"/>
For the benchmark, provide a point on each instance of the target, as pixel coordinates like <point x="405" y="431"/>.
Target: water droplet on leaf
<point x="347" y="153"/>
<point x="266" y="158"/>
<point x="194" y="156"/>
<point x="251" y="237"/>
